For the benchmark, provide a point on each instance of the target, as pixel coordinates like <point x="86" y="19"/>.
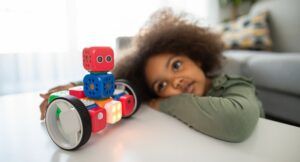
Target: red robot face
<point x="98" y="59"/>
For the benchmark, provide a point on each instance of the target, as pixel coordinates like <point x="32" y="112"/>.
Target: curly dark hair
<point x="166" y="32"/>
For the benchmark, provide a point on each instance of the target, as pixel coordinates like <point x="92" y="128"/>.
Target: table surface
<point x="148" y="136"/>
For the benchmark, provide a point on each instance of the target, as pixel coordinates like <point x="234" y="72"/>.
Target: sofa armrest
<point x="275" y="71"/>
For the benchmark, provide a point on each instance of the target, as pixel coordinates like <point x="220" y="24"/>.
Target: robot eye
<point x="100" y="59"/>
<point x="108" y="58"/>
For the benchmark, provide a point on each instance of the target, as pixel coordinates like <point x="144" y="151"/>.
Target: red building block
<point x="77" y="92"/>
<point x="127" y="104"/>
<point x="98" y="59"/>
<point x="98" y="119"/>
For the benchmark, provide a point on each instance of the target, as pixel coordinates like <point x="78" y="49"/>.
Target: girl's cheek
<point x="171" y="92"/>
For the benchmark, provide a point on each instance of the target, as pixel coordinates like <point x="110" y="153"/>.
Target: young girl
<point x="173" y="62"/>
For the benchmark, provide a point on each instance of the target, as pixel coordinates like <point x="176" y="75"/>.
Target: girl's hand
<point x="45" y="96"/>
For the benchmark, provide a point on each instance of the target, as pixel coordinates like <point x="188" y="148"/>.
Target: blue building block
<point x="117" y="96"/>
<point x="99" y="85"/>
<point x="92" y="106"/>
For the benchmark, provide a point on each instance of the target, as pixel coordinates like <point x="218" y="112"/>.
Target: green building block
<point x="57" y="94"/>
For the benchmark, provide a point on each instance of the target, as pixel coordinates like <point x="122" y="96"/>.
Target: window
<point x="41" y="40"/>
<point x="46" y="26"/>
<point x="33" y="26"/>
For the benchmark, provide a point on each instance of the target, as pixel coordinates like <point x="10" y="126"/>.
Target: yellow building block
<point x="113" y="111"/>
<point x="101" y="103"/>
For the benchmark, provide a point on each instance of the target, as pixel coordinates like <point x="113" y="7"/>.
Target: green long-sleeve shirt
<point x="229" y="111"/>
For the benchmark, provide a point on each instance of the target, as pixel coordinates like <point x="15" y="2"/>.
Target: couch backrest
<point x="284" y="23"/>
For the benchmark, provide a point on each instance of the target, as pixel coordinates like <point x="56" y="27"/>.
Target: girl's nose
<point x="177" y="83"/>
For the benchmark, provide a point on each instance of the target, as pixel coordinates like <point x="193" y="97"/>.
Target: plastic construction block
<point x="98" y="59"/>
<point x="113" y="111"/>
<point x="127" y="104"/>
<point x="117" y="94"/>
<point x="57" y="94"/>
<point x="93" y="106"/>
<point x="77" y="92"/>
<point x="101" y="103"/>
<point x="99" y="86"/>
<point x="88" y="103"/>
<point x="98" y="119"/>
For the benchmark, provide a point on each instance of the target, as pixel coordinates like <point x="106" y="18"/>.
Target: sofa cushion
<point x="276" y="71"/>
<point x="234" y="60"/>
<point x="272" y="70"/>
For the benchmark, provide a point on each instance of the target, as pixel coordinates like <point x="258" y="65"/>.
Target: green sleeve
<point x="231" y="117"/>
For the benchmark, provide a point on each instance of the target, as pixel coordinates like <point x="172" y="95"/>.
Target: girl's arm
<point x="231" y="117"/>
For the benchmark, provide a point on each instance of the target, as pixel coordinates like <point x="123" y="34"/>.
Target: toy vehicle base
<point x="72" y="128"/>
<point x="68" y="121"/>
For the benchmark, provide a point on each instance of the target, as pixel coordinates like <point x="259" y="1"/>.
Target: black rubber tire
<point x="132" y="90"/>
<point x="85" y="120"/>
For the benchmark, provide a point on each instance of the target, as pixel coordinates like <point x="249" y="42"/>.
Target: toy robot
<point x="73" y="114"/>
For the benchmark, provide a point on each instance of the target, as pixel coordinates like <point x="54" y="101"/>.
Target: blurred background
<point x="41" y="40"/>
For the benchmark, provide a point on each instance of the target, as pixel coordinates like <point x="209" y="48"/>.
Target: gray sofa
<point x="277" y="73"/>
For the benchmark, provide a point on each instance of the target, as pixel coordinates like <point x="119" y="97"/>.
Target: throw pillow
<point x="247" y="32"/>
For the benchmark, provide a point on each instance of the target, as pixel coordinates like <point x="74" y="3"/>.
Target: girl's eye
<point x="161" y="86"/>
<point x="176" y="65"/>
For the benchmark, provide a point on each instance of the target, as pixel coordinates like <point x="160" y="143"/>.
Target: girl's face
<point x="168" y="75"/>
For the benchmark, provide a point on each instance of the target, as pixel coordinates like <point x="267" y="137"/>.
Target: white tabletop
<point x="148" y="136"/>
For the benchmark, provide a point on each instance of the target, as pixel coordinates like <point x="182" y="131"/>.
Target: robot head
<point x="98" y="59"/>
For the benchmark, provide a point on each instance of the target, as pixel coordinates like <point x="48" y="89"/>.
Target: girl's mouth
<point x="189" y="88"/>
